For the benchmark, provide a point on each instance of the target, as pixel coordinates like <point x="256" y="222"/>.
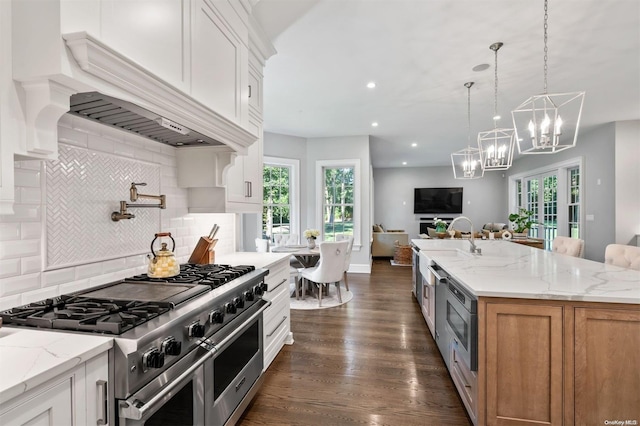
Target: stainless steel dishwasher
<point x="442" y="334"/>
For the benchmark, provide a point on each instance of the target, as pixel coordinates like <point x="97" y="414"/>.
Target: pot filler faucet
<point x="473" y="248"/>
<point x="134" y="195"/>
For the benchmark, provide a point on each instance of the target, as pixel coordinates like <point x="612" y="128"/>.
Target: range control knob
<point x="264" y="287"/>
<point x="258" y="290"/>
<point x="196" y="330"/>
<point x="248" y="296"/>
<point x="230" y="308"/>
<point x="153" y="358"/>
<point x="216" y="317"/>
<point x="170" y="346"/>
<point x="239" y="302"/>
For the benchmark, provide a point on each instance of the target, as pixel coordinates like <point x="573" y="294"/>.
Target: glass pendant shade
<point x="548" y="123"/>
<point x="466" y="164"/>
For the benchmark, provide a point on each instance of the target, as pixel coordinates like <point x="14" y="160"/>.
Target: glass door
<point x="542" y="199"/>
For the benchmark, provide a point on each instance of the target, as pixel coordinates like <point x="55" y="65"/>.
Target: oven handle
<point x="134" y="411"/>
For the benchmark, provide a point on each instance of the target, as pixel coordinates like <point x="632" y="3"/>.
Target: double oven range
<point x="187" y="349"/>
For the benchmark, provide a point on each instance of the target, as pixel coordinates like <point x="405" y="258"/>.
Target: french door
<point x="541" y="192"/>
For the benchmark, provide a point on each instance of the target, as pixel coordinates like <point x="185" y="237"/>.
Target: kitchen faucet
<point x="134" y="195"/>
<point x="473" y="248"/>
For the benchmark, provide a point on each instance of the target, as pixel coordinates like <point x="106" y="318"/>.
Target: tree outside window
<point x="338" y="202"/>
<point x="276" y="211"/>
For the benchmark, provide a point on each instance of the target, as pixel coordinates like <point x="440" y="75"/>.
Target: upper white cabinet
<point x="244" y="179"/>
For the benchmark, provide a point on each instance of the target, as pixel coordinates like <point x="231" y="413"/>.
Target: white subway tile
<point x="57" y="277"/>
<point x="103" y="279"/>
<point x="10" y="302"/>
<point x="20" y="284"/>
<point x="32" y="264"/>
<point x="30" y="230"/>
<point x="37" y="295"/>
<point x="136" y="261"/>
<point x="30" y="195"/>
<point x="98" y="143"/>
<point x="30" y="165"/>
<point x="124" y="150"/>
<point x="9" y="231"/>
<point x="74" y="286"/>
<point x="23" y="213"/>
<point x="143" y="154"/>
<point x="28" y="178"/>
<point x="22" y="248"/>
<point x="72" y="137"/>
<point x="113" y="265"/>
<point x="89" y="270"/>
<point x="9" y="268"/>
<point x="112" y="133"/>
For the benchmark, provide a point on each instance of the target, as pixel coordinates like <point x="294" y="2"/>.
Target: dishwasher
<point x="442" y="334"/>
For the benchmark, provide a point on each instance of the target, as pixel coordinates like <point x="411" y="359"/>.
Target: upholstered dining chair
<point x="622" y="255"/>
<point x="347" y="261"/>
<point x="569" y="246"/>
<point x="330" y="268"/>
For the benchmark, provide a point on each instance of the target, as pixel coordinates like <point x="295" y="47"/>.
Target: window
<point x="339" y="182"/>
<point x="280" y="209"/>
<point x="553" y="194"/>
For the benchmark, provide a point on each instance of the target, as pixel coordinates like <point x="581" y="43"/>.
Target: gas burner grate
<point x="213" y="275"/>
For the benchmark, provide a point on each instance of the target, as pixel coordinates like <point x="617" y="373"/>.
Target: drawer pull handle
<point x="103" y="402"/>
<point x="277" y="326"/>
<point x="284" y="280"/>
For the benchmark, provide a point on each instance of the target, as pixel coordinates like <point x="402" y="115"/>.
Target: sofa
<point x="383" y="243"/>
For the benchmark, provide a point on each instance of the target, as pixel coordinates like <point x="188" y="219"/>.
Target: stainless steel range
<point x="188" y="349"/>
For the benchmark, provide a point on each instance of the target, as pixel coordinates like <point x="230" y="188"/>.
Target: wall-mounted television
<point x="437" y="200"/>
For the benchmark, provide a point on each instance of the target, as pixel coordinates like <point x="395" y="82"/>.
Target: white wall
<point x="484" y="200"/>
<point x="627" y="181"/>
<point x="23" y="249"/>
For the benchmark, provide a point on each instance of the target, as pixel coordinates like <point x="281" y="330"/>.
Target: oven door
<point x="235" y="374"/>
<point x="463" y="327"/>
<point x="175" y="397"/>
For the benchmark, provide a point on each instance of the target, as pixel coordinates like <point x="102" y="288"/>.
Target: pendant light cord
<point x="495" y="90"/>
<point x="469" y="112"/>
<point x="546" y="27"/>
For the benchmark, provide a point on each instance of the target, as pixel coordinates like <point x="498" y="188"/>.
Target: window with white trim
<point x="280" y="210"/>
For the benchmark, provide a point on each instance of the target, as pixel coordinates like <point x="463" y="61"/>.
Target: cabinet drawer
<point x="277" y="323"/>
<point x="466" y="382"/>
<point x="276" y="343"/>
<point x="280" y="303"/>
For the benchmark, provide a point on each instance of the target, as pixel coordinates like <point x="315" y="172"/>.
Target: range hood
<point x="133" y="118"/>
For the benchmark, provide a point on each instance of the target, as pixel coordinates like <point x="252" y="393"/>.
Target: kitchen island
<point x="558" y="337"/>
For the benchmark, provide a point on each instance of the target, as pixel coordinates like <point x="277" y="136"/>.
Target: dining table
<point x="308" y="257"/>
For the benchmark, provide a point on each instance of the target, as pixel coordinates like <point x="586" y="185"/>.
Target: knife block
<point x="203" y="253"/>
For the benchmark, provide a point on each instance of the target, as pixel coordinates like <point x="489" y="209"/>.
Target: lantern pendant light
<point x="547" y="123"/>
<point x="497" y="145"/>
<point x="466" y="162"/>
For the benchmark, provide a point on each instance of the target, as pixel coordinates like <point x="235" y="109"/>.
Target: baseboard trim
<point x="360" y="268"/>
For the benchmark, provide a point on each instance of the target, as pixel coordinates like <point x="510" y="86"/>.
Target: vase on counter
<point x="311" y="242"/>
<point x="441" y="227"/>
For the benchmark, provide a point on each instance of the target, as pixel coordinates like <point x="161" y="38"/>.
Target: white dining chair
<point x="347" y="261"/>
<point x="622" y="255"/>
<point x="569" y="246"/>
<point x="330" y="268"/>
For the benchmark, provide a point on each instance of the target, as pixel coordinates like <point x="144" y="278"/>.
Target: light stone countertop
<point x="259" y="260"/>
<point x="30" y="357"/>
<point x="506" y="269"/>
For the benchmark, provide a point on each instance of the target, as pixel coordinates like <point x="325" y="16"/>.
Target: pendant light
<point x="547" y="123"/>
<point x="466" y="162"/>
<point x="497" y="145"/>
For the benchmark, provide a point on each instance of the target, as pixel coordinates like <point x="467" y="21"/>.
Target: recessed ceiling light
<point x="371" y="84"/>
<point x="374" y="124"/>
<point x="404" y="163"/>
<point x="480" y="67"/>
<point x="414" y="144"/>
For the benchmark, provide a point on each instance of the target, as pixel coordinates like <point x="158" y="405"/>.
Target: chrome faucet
<point x="473" y="248"/>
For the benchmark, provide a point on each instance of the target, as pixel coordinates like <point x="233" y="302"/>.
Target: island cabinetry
<point x="277" y="319"/>
<point x="557" y="362"/>
<point x="76" y="397"/>
<point x="524" y="357"/>
<point x="607" y="365"/>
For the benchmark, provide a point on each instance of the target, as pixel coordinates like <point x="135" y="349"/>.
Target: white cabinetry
<point x="77" y="397"/>
<point x="244" y="179"/>
<point x="277" y="320"/>
<point x="428" y="302"/>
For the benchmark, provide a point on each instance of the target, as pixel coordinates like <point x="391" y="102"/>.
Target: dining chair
<point x="330" y="268"/>
<point x="622" y="255"/>
<point x="569" y="246"/>
<point x="347" y="261"/>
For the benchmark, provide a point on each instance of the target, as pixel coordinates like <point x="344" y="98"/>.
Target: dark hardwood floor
<point x="370" y="362"/>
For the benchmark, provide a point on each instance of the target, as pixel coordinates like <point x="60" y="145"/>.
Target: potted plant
<point x="522" y="221"/>
<point x="311" y="235"/>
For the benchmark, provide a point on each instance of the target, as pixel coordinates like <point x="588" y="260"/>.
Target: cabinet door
<point x="220" y="62"/>
<point x="52" y="407"/>
<point x="607" y="365"/>
<point x="244" y="179"/>
<point x="524" y="361"/>
<point x="97" y="390"/>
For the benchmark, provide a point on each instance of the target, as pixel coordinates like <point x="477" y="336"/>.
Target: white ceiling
<point x="421" y="52"/>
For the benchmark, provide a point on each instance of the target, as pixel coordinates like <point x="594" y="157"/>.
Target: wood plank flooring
<point x="369" y="362"/>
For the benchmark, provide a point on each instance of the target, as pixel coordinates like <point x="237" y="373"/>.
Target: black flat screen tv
<point x="437" y="200"/>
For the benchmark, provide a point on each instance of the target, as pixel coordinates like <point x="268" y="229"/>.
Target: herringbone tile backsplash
<point x="82" y="189"/>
